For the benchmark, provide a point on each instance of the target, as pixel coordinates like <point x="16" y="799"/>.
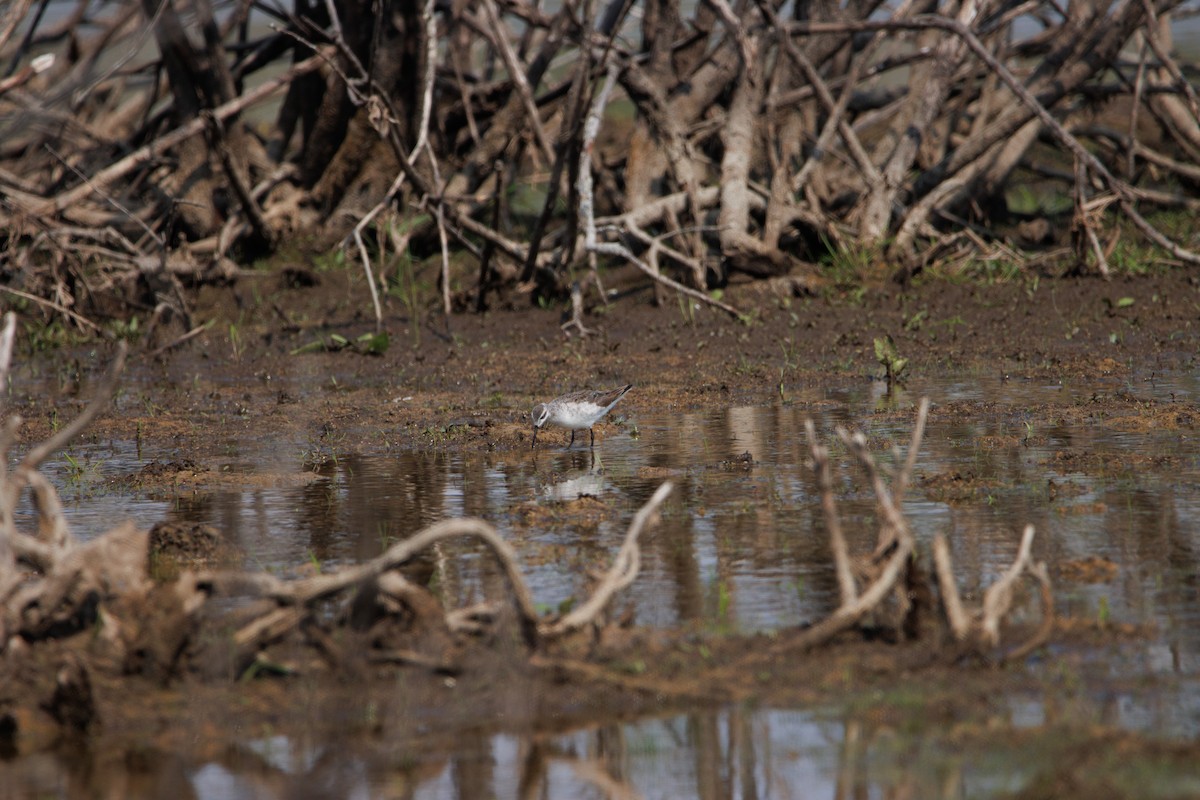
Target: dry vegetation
<point x="756" y="137"/>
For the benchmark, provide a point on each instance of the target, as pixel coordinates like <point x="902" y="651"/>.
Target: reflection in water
<point x="741" y="543"/>
<point x="740" y="546"/>
<point x="718" y="754"/>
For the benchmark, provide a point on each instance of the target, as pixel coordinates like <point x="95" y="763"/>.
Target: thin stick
<point x="52" y="525"/>
<point x="1042" y="634"/>
<point x="847" y="615"/>
<point x="108" y="198"/>
<point x="310" y="590"/>
<point x="196" y="331"/>
<point x="837" y="540"/>
<point x="7" y="336"/>
<point x="8" y="564"/>
<point x="83" y="321"/>
<point x="914" y="447"/>
<point x="998" y="597"/>
<point x="956" y="616"/>
<point x="1150" y="31"/>
<point x="517" y="73"/>
<point x="1083" y="218"/>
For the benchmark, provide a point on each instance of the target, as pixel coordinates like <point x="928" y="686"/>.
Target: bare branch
<point x="623" y="571"/>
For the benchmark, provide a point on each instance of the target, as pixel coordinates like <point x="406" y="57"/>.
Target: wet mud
<point x="467" y="387"/>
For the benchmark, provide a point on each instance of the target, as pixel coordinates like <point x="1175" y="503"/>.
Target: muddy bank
<point x="473" y="387"/>
<point x="471" y="391"/>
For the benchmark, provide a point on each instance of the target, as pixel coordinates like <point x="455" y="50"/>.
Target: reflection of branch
<point x="837" y="540"/>
<point x="893" y="528"/>
<point x="896" y="542"/>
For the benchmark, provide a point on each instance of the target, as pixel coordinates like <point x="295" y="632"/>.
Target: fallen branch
<point x="979" y="628"/>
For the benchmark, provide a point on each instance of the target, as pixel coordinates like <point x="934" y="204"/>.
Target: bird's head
<point x="539" y="415"/>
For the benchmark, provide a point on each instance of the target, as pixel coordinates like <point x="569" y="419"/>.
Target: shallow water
<point x="740" y="547"/>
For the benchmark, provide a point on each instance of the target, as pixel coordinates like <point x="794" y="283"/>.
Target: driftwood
<point x="52" y="586"/>
<point x="760" y="143"/>
<point x="886" y="572"/>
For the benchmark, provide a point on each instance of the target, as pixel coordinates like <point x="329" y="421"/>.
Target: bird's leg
<point x="592" y="431"/>
<point x="572" y="438"/>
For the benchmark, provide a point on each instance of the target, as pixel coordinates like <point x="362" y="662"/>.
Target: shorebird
<point x="576" y="411"/>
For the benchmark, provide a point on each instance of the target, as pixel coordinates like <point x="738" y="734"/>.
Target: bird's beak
<point x="534" y="445"/>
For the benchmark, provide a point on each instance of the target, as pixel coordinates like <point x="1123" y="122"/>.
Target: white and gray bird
<point x="576" y="411"/>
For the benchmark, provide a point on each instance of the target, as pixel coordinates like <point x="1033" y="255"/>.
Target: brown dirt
<point x="472" y="390"/>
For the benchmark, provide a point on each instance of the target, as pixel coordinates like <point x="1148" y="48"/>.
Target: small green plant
<point x="51" y="336"/>
<point x="125" y="329"/>
<point x="411" y="291"/>
<point x="1103" y="613"/>
<point x="75" y="470"/>
<point x="724" y="598"/>
<point x="849" y="265"/>
<point x="914" y="322"/>
<point x="791" y="355"/>
<point x="889" y="357"/>
<point x="334" y="260"/>
<point x="368" y="344"/>
<point x="687" y="309"/>
<point x="235" y="341"/>
<point x="745" y="366"/>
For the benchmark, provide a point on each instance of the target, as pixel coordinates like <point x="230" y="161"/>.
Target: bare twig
<point x="82" y="321"/>
<point x="998" y="597"/>
<point x="956" y="616"/>
<point x="837" y="540"/>
<point x="516" y="72"/>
